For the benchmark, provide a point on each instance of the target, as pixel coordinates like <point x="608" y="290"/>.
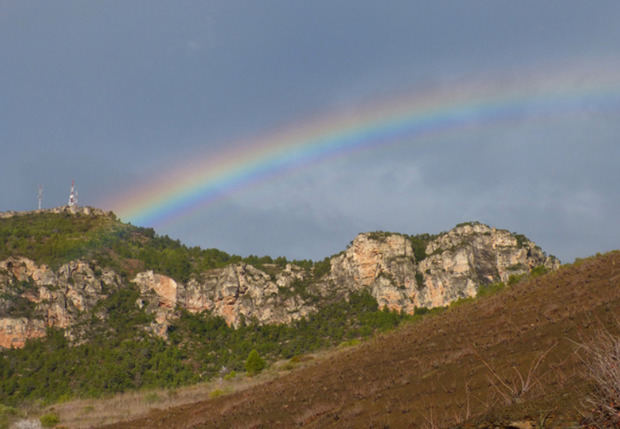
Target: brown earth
<point x="474" y="365"/>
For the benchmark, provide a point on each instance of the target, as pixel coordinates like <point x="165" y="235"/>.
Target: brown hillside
<point x="448" y="369"/>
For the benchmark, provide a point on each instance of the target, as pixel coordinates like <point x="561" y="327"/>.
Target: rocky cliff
<point x="380" y="262"/>
<point x="237" y="292"/>
<point x="471" y="255"/>
<point x="449" y="266"/>
<point x="33" y="297"/>
<point x="458" y="262"/>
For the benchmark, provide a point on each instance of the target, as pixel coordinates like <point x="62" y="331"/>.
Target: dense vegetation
<point x="55" y="239"/>
<point x="419" y="243"/>
<point x="119" y="356"/>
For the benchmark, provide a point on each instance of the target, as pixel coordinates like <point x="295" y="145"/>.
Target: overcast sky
<point x="116" y="93"/>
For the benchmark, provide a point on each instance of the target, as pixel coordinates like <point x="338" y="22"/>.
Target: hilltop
<point x="92" y="305"/>
<point x="56" y="236"/>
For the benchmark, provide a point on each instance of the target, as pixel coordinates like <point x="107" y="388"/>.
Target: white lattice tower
<point x="72" y="201"/>
<point x="40" y="196"/>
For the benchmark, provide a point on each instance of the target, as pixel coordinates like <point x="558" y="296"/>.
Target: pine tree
<point x="254" y="363"/>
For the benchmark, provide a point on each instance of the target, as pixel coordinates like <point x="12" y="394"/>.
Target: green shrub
<point x="521" y="239"/>
<point x="322" y="267"/>
<point x="379" y="235"/>
<point x="216" y="393"/>
<point x="418" y="311"/>
<point x="230" y="375"/>
<point x="538" y="271"/>
<point x="419" y="279"/>
<point x="350" y="343"/>
<point x="254" y="363"/>
<point x="49" y="420"/>
<point x="516" y="278"/>
<point x="6" y="415"/>
<point x="490" y="289"/>
<point x="289" y="366"/>
<point x="461" y="301"/>
<point x="419" y="243"/>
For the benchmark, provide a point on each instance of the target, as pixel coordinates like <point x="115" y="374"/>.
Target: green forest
<point x="120" y="356"/>
<point x="55" y="239"/>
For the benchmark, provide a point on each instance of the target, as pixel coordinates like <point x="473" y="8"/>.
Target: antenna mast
<point x="72" y="195"/>
<point x="40" y="195"/>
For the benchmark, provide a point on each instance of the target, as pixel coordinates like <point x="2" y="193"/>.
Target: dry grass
<point x="602" y="363"/>
<point x="515" y="387"/>
<point x="87" y="413"/>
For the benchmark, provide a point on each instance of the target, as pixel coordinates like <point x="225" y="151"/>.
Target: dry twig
<point x="518" y="386"/>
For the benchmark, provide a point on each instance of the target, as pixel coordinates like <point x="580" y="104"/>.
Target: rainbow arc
<point x="401" y="120"/>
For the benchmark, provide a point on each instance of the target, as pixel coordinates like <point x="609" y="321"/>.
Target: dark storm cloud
<point x="116" y="93"/>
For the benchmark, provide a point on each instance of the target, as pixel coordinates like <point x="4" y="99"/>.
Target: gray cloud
<point x="115" y="94"/>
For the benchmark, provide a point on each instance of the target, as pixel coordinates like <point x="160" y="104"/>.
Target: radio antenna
<point x="72" y="199"/>
<point x="40" y="195"/>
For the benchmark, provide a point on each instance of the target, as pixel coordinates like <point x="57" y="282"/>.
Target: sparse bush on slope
<point x="49" y="420"/>
<point x="602" y="359"/>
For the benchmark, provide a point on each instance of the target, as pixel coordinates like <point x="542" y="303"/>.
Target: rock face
<point x="471" y="255"/>
<point x="46" y="297"/>
<point x="453" y="265"/>
<point x="242" y="292"/>
<point x="379" y="262"/>
<point x="15" y="331"/>
<point x="237" y="292"/>
<point x="459" y="262"/>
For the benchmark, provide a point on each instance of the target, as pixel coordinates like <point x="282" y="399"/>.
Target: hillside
<point x="57" y="236"/>
<point x="90" y="305"/>
<point x="517" y="358"/>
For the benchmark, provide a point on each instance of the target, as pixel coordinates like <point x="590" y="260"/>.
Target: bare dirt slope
<point x="468" y="366"/>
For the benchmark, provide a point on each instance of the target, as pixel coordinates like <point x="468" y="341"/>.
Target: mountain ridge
<point x="90" y="305"/>
<point x="400" y="271"/>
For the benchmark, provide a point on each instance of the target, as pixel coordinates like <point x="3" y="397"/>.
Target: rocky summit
<point x="402" y="272"/>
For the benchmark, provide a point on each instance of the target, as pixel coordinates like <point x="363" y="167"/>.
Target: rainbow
<point x="404" y="119"/>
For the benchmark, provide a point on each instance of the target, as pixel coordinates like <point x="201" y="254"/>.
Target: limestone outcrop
<point x="237" y="293"/>
<point x="471" y="255"/>
<point x="458" y="262"/>
<point x="450" y="266"/>
<point x="33" y="297"/>
<point x="382" y="263"/>
<point x="14" y="332"/>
